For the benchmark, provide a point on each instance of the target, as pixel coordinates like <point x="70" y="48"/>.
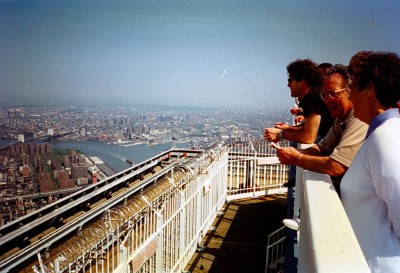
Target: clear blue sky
<point x="180" y="52"/>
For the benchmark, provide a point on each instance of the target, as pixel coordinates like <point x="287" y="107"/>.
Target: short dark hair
<point x="382" y="69"/>
<point x="325" y="65"/>
<point x="341" y="70"/>
<point x="305" y="69"/>
<point x="323" y="68"/>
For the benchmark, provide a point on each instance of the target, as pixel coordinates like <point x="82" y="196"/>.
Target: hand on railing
<point x="289" y="156"/>
<point x="272" y="134"/>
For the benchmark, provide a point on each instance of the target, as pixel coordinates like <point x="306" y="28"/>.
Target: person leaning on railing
<point x="335" y="152"/>
<point x="304" y="81"/>
<point x="371" y="186"/>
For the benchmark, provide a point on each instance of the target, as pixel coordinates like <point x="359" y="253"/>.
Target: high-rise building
<point x="18" y="113"/>
<point x="11" y="113"/>
<point x="66" y="160"/>
<point x="81" y="160"/>
<point x="25" y="170"/>
<point x="45" y="182"/>
<point x="25" y="159"/>
<point x="79" y="171"/>
<point x="64" y="181"/>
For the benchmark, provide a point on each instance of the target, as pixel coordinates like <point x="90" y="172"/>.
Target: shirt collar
<point x="381" y="118"/>
<point x="348" y="118"/>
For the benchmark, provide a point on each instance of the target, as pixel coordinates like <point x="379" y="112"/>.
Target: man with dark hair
<point x="371" y="186"/>
<point x="296" y="111"/>
<point x="304" y="83"/>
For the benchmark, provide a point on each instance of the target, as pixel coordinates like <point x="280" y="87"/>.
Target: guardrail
<point x="141" y="229"/>
<point x="166" y="232"/>
<point x="254" y="170"/>
<point x="327" y="242"/>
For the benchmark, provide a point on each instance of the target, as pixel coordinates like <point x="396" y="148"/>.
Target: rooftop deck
<point x="238" y="243"/>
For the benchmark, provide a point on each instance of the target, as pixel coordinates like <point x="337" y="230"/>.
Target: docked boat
<point x="130" y="161"/>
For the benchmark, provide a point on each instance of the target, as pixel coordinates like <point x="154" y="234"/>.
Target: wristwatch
<point x="280" y="135"/>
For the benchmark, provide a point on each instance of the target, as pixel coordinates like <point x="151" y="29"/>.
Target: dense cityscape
<point x="33" y="174"/>
<point x="141" y="124"/>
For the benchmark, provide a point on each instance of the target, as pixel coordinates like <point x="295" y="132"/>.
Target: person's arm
<point x="309" y="131"/>
<point x="311" y="159"/>
<point x="304" y="133"/>
<point x="274" y="134"/>
<point x="299" y="119"/>
<point x="296" y="110"/>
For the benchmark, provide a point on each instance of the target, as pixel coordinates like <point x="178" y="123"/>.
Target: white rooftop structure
<point x="96" y="160"/>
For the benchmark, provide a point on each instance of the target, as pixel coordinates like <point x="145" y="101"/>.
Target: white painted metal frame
<point x="248" y="179"/>
<point x="327" y="242"/>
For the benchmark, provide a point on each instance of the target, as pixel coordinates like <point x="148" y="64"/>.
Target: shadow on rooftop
<point x="238" y="242"/>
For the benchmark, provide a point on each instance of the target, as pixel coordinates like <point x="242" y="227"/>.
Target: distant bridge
<point x="48" y="137"/>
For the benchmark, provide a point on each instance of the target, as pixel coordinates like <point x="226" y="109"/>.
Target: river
<point x="111" y="154"/>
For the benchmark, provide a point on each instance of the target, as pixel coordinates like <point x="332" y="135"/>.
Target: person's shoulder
<point x="390" y="126"/>
<point x="316" y="90"/>
<point x="387" y="135"/>
<point x="352" y="120"/>
<point x="314" y="93"/>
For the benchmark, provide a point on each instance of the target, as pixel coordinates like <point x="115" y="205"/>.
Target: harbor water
<point x="114" y="155"/>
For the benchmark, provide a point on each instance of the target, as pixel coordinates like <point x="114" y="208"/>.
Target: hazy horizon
<point x="109" y="106"/>
<point x="178" y="52"/>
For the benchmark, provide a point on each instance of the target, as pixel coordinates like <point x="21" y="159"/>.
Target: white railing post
<point x="182" y="225"/>
<point x="302" y="248"/>
<point x="298" y="188"/>
<point x="160" y="243"/>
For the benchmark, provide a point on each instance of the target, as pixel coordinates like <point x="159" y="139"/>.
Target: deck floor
<point x="238" y="242"/>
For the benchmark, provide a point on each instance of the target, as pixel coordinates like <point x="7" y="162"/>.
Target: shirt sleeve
<point x="311" y="105"/>
<point x="331" y="140"/>
<point x="343" y="144"/>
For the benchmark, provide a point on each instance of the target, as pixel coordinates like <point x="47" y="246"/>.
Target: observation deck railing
<point x="254" y="170"/>
<point x="326" y="239"/>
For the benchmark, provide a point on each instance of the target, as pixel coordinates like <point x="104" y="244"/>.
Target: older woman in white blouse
<point x="371" y="186"/>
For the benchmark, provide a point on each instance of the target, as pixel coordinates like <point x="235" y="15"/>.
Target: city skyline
<point x="178" y="53"/>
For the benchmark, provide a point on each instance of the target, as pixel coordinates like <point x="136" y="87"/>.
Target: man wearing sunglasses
<point x="305" y="80"/>
<point x="334" y="153"/>
<point x="305" y="83"/>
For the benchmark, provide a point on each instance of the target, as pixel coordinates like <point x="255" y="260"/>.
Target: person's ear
<point x="370" y="89"/>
